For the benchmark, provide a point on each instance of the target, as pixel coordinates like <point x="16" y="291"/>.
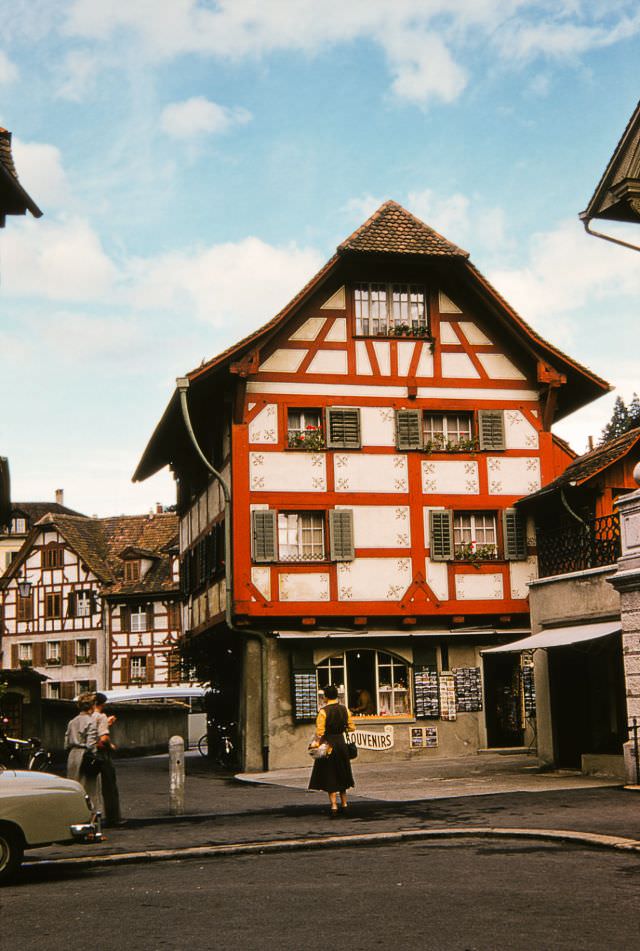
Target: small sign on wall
<point x="423" y="737"/>
<point x="368" y="740"/>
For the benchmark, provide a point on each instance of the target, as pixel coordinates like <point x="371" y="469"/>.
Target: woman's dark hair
<point x="331" y="692"/>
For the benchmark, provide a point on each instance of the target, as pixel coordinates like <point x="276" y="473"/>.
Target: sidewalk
<point x="493" y="792"/>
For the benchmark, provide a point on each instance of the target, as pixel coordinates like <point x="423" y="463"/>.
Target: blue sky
<point x="196" y="162"/>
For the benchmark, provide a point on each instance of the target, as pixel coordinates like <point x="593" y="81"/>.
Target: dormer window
<point x="391" y="310"/>
<point x="53" y="556"/>
<point x="132" y="570"/>
<point x="18" y="525"/>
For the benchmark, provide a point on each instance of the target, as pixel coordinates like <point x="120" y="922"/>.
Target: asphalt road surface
<point x="472" y="895"/>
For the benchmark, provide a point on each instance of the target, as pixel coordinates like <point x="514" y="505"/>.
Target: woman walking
<point x="332" y="773"/>
<point x="82" y="735"/>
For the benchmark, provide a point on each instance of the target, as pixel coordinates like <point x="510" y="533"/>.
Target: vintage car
<point x="40" y="809"/>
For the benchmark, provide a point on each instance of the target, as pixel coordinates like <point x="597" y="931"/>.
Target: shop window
<point x="371" y="683"/>
<point x="391" y="310"/>
<point x="304" y="429"/>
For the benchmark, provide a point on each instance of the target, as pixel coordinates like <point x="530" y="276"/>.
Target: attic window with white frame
<point x="138" y="620"/>
<point x="391" y="310"/>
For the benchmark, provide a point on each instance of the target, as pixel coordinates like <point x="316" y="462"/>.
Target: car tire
<point x="11" y="852"/>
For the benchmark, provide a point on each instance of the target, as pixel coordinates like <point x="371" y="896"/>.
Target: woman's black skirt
<point x="333" y="773"/>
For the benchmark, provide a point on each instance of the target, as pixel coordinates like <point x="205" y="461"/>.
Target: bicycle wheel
<point x="203" y="745"/>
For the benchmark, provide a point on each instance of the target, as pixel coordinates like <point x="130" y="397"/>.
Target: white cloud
<point x="426" y="42"/>
<point x="40" y="170"/>
<point x="235" y="285"/>
<point x="8" y="70"/>
<point x="199" y="116"/>
<point x="76" y="336"/>
<point x="61" y="260"/>
<point x="76" y="75"/>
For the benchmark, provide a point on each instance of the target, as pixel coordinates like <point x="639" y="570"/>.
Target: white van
<point x="192" y="696"/>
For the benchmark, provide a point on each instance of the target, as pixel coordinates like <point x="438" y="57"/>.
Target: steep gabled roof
<point x="14" y="200"/>
<point x="394" y="231"/>
<point x="587" y="466"/>
<point x="617" y="194"/>
<point x="37" y="510"/>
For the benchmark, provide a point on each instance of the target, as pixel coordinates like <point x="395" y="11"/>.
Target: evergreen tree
<point x="634" y="412"/>
<point x="619" y="423"/>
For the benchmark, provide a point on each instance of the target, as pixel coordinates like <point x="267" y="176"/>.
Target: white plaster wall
<point x="454" y="477"/>
<point x="447" y="333"/>
<point x="287" y="471"/>
<point x="446" y="305"/>
<point x="311" y="586"/>
<point x="518" y="431"/>
<point x="425" y="363"/>
<point x="520" y="573"/>
<point x="337" y="301"/>
<point x="383" y="353"/>
<point x="374" y="579"/>
<point x="458" y="365"/>
<point x="381" y="526"/>
<point x="405" y="356"/>
<point x="363" y="364"/>
<point x="437" y="575"/>
<point x="363" y="473"/>
<point x="500" y="367"/>
<point x="283" y="361"/>
<point x="338" y="331"/>
<point x="513" y="476"/>
<point x="377" y="426"/>
<point x="479" y="587"/>
<point x="473" y="334"/>
<point x="261" y="578"/>
<point x="309" y="330"/>
<point x="263" y="428"/>
<point x="329" y="361"/>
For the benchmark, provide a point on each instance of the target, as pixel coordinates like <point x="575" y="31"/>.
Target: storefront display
<point x="468" y="689"/>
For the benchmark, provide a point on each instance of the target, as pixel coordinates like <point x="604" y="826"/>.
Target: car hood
<point x="18" y="780"/>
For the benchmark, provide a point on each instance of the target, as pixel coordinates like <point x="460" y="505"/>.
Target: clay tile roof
<point x="617" y="194"/>
<point x="394" y="230"/>
<point x="14" y="200"/>
<point x="587" y="466"/>
<point x="37" y="510"/>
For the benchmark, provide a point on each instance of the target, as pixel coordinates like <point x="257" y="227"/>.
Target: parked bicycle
<point x="221" y="750"/>
<point x="22" y="754"/>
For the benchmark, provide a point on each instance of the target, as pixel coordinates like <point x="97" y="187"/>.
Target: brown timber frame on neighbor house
<point x="375" y="436"/>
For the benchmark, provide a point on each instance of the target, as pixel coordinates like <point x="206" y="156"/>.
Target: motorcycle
<point x="22" y="754"/>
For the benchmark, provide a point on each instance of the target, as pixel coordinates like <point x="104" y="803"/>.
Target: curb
<point x="338" y="841"/>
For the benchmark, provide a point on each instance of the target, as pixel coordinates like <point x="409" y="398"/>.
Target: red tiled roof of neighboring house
<point x="587" y="466"/>
<point x="100" y="542"/>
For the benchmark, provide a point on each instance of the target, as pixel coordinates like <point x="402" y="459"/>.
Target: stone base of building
<point x="604" y="764"/>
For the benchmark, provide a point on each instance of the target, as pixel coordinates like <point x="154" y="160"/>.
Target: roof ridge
<point x="404" y="244"/>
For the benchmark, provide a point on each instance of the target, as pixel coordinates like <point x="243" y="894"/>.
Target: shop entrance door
<point x="503" y="703"/>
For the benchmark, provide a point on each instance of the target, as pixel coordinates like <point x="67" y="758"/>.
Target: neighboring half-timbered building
<point x="95" y="603"/>
<point x="375" y="436"/>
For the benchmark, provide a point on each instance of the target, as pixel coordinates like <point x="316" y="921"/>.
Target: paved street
<point x="446" y="896"/>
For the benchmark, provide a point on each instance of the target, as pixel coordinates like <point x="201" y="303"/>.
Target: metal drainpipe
<point x="182" y="384"/>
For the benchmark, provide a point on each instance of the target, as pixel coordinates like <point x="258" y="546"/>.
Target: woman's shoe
<point x="333" y="813"/>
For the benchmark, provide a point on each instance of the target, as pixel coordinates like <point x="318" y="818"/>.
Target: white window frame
<point x="53" y="690"/>
<point x="25" y="652"/>
<point x="83" y="604"/>
<point x="53" y="655"/>
<point x="476" y="529"/>
<point x="301" y="430"/>
<point x="80" y="652"/>
<point x="383" y="307"/>
<point x="291" y="535"/>
<point x="450" y="436"/>
<point x="18" y="525"/>
<point x="138" y="621"/>
<point x="138" y="667"/>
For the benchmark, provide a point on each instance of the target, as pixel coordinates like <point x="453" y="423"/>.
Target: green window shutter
<point x="343" y="428"/>
<point x="515" y="539"/>
<point x="341" y="530"/>
<point x="409" y="429"/>
<point x="441" y="535"/>
<point x="263" y="535"/>
<point x="491" y="429"/>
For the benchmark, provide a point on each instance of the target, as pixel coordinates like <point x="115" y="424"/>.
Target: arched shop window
<point x="377" y="677"/>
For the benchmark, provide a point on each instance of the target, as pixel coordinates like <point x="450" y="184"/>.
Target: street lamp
<point x="24" y="587"/>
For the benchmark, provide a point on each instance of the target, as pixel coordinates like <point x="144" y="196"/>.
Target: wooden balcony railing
<point x="574" y="547"/>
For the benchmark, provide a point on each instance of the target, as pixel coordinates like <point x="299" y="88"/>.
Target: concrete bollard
<point x="176" y="776"/>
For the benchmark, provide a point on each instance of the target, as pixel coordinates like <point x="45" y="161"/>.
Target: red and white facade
<point x="376" y="435"/>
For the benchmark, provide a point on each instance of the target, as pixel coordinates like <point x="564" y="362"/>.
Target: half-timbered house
<point x="375" y="436"/>
<point x="20" y="519"/>
<point x="95" y="603"/>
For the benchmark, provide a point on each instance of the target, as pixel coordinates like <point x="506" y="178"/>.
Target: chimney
<point x="590" y="442"/>
<point x="159" y="508"/>
<point x="60" y="496"/>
